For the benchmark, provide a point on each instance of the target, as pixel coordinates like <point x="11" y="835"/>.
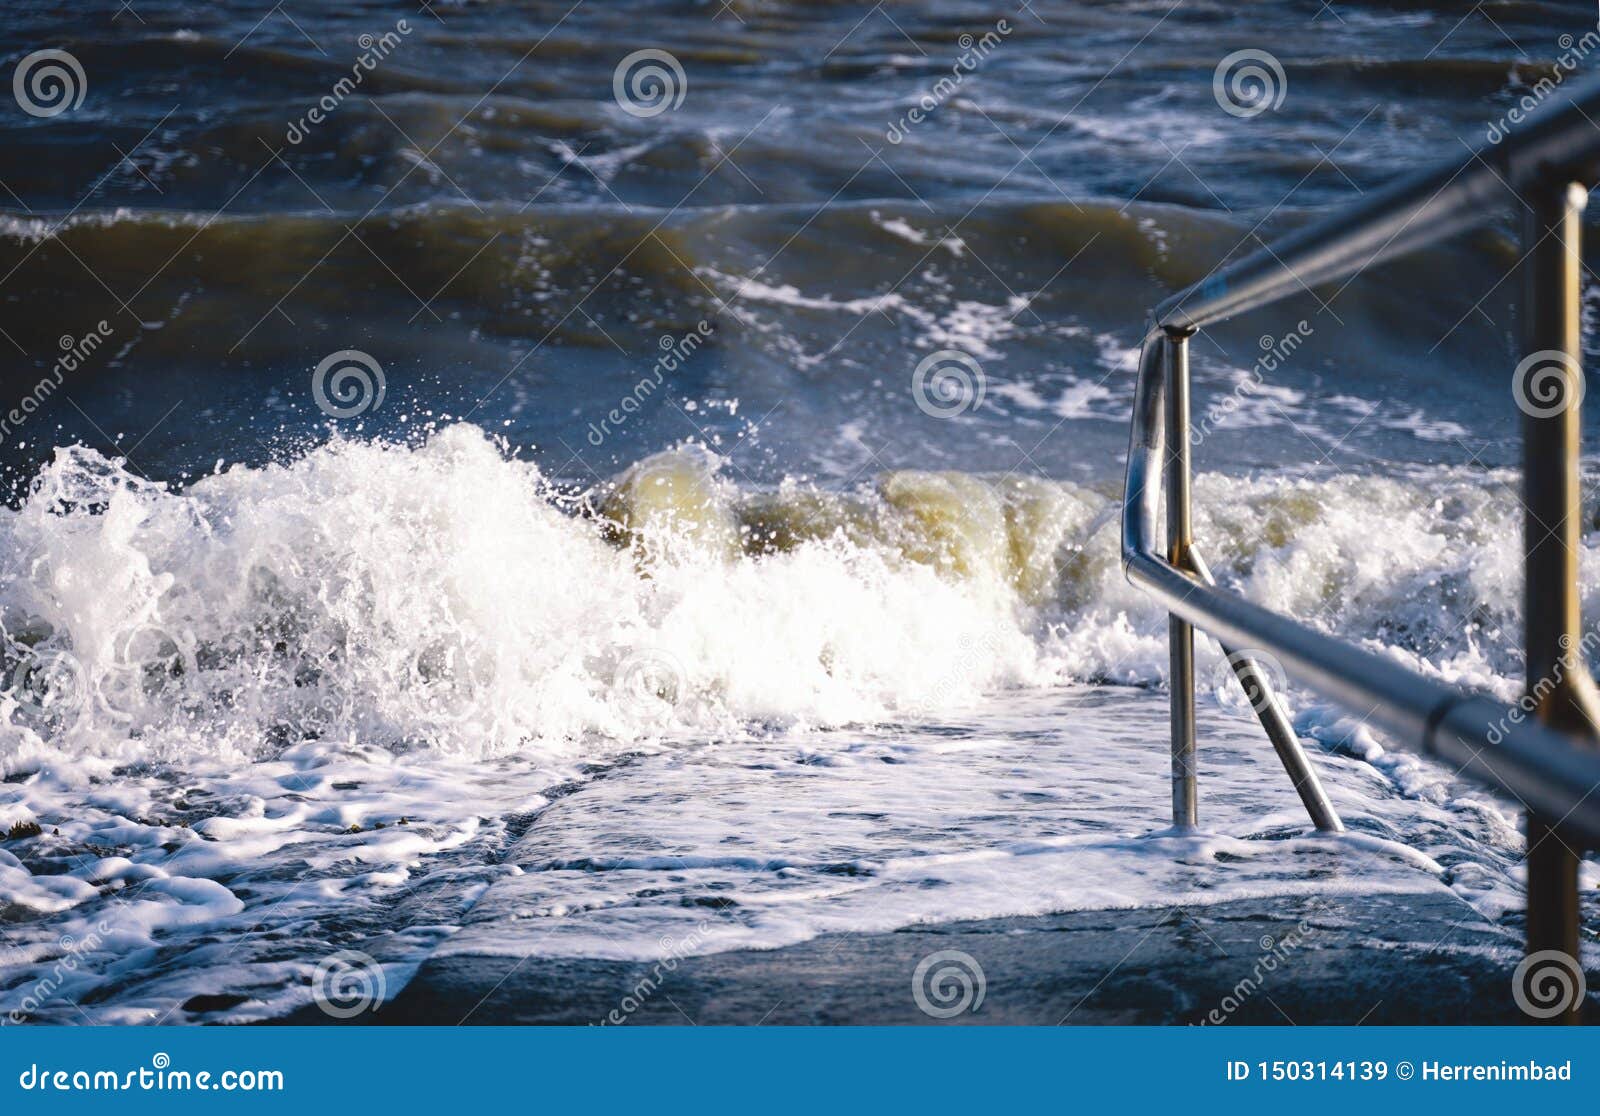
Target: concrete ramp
<point x="1423" y="958"/>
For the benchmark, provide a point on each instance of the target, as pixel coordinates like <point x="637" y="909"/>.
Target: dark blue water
<point x="303" y="307"/>
<point x="480" y="215"/>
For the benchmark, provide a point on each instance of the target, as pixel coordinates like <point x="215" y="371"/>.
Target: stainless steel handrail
<point x="1538" y="765"/>
<point x="1550" y="764"/>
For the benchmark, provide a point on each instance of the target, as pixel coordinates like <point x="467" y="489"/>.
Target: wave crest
<point x="445" y="596"/>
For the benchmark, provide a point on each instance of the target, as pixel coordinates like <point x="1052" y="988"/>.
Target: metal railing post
<point x="1551" y="762"/>
<point x="1180" y="535"/>
<point x="1558" y="681"/>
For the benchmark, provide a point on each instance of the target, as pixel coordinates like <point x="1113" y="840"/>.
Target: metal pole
<point x="1558" y="681"/>
<point x="1285" y="741"/>
<point x="1180" y="636"/>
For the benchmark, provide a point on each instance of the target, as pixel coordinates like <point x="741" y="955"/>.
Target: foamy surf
<point x="438" y="597"/>
<point x="329" y="693"/>
<point x="445" y="596"/>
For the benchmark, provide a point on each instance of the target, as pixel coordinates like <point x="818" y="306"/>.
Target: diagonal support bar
<point x="1285" y="741"/>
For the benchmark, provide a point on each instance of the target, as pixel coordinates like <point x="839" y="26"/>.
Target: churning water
<point x="659" y="575"/>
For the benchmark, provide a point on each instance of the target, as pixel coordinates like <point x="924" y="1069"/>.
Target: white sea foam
<point x="971" y="325"/>
<point x="216" y="696"/>
<point x="438" y="598"/>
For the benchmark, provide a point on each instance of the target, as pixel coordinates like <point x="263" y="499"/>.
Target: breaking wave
<point x="446" y="596"/>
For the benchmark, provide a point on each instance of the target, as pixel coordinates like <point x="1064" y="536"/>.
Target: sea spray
<point x="445" y="596"/>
